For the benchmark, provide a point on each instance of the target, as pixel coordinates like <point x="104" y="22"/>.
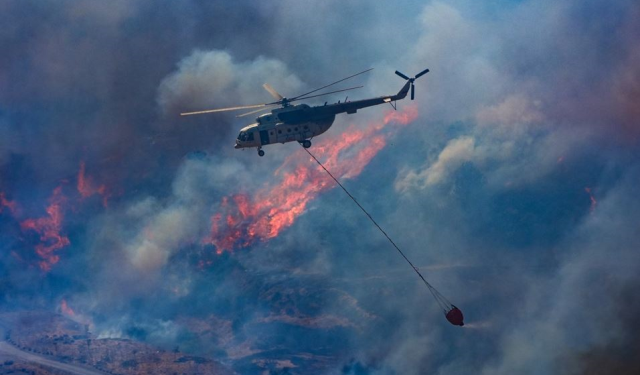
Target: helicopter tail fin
<point x="410" y="81"/>
<point x="403" y="91"/>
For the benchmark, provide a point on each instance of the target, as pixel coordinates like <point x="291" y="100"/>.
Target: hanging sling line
<point x="442" y="301"/>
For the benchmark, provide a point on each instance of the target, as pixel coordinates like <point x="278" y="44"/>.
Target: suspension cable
<point x="440" y="299"/>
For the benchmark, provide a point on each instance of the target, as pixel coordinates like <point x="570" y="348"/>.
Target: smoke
<point x="452" y="157"/>
<point x="520" y="163"/>
<point x="149" y="231"/>
<point x="207" y="77"/>
<point x="585" y="296"/>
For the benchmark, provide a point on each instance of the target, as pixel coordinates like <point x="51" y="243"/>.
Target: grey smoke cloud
<point x="457" y="152"/>
<point x="526" y="105"/>
<point x="579" y="307"/>
<point x="9" y="141"/>
<point x="210" y="77"/>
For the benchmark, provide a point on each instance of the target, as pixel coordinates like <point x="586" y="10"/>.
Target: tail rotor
<point x="411" y="80"/>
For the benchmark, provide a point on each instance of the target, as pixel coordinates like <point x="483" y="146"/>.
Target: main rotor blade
<point x="256" y="111"/>
<point x="327" y="93"/>
<point x="422" y="73"/>
<point x="402" y="75"/>
<point x="272" y="91"/>
<point x="331" y="84"/>
<point x="224" y="109"/>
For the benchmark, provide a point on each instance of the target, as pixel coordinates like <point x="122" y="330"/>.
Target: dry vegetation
<point x="15" y="367"/>
<point x="68" y="341"/>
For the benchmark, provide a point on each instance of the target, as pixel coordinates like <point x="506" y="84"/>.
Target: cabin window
<point x="270" y="133"/>
<point x="296" y="129"/>
<point x="279" y="131"/>
<point x="289" y="130"/>
<point x="306" y="127"/>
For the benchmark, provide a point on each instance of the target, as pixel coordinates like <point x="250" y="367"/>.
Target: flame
<point x="594" y="202"/>
<point x="66" y="310"/>
<point x="4" y="202"/>
<point x="274" y="208"/>
<point x="48" y="228"/>
<point x="87" y="188"/>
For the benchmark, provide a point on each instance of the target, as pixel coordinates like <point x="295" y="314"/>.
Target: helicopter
<point x="301" y="122"/>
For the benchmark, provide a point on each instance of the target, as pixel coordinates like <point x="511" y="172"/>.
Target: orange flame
<point x="274" y="208"/>
<point x="4" y="202"/>
<point x="594" y="202"/>
<point x="49" y="230"/>
<point x="66" y="310"/>
<point x="87" y="188"/>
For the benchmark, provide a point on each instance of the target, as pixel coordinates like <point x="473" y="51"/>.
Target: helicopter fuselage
<point x="282" y="125"/>
<point x="302" y="122"/>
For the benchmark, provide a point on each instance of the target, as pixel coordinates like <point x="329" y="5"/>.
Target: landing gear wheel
<point x="306" y="144"/>
<point x="260" y="153"/>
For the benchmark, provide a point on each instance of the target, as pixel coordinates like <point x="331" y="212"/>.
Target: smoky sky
<point x="515" y="191"/>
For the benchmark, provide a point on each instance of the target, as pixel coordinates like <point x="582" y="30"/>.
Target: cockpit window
<point x="245" y="136"/>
